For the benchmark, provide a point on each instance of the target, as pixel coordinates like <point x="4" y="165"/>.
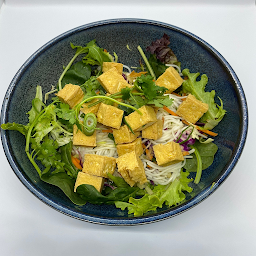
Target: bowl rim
<point x="134" y="220"/>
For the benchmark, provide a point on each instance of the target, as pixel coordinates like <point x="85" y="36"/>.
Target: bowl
<point x="44" y="68"/>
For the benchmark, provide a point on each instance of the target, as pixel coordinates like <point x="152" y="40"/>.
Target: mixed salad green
<point x="49" y="131"/>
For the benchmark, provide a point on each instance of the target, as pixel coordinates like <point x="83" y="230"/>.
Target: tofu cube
<point x="169" y="153"/>
<point x="192" y="109"/>
<point x="170" y="79"/>
<point x="110" y="116"/>
<point x="84" y="178"/>
<point x="131" y="168"/>
<point x="94" y="109"/>
<point x="80" y="139"/>
<point x="139" y="122"/>
<point x="71" y="94"/>
<point x="112" y="81"/>
<point x="154" y="131"/>
<point x="108" y="65"/>
<point x="99" y="165"/>
<point x="124" y="135"/>
<point x="129" y="147"/>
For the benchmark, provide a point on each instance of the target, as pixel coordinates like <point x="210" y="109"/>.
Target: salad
<point x="132" y="137"/>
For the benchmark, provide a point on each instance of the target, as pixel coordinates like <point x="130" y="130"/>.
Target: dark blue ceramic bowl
<point x="44" y="68"/>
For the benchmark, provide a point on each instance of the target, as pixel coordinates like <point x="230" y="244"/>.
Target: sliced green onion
<point x="89" y="125"/>
<point x="182" y="142"/>
<point x="130" y="128"/>
<point x="78" y="106"/>
<point x="182" y="133"/>
<point x="146" y="62"/>
<point x="199" y="165"/>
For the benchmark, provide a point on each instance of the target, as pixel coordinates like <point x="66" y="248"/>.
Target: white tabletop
<point x="224" y="224"/>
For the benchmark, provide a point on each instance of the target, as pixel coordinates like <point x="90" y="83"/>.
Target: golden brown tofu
<point x="129" y="147"/>
<point x="80" y="139"/>
<point x="108" y="65"/>
<point x="99" y="165"/>
<point x="169" y="153"/>
<point x="71" y="94"/>
<point x="124" y="135"/>
<point x="131" y="168"/>
<point x="156" y="109"/>
<point x="139" y="122"/>
<point x="170" y="79"/>
<point x="84" y="178"/>
<point x="110" y="116"/>
<point x="94" y="109"/>
<point x="112" y="81"/>
<point x="154" y="131"/>
<point x="192" y="109"/>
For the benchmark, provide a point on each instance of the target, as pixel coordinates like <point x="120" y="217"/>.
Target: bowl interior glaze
<point x="45" y="66"/>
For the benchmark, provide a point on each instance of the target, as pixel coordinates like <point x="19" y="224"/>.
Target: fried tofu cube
<point x="108" y="65"/>
<point x="139" y="122"/>
<point x="110" y="116"/>
<point x="192" y="109"/>
<point x="71" y="94"/>
<point x="84" y="178"/>
<point x="154" y="131"/>
<point x="131" y="168"/>
<point x="169" y="153"/>
<point x="170" y="79"/>
<point x="80" y="139"/>
<point x="112" y="81"/>
<point x="94" y="109"/>
<point x="99" y="165"/>
<point x="129" y="147"/>
<point x="124" y="135"/>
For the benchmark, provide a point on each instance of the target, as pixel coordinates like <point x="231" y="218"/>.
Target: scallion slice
<point x="89" y="125"/>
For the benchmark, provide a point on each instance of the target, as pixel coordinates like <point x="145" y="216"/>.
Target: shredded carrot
<point x="208" y="132"/>
<point x="135" y="74"/>
<point x="163" y="119"/>
<point x="105" y="50"/>
<point x="109" y="131"/>
<point x="144" y="146"/>
<point x="98" y="92"/>
<point x="185" y="153"/>
<point x="76" y="162"/>
<point x="174" y="93"/>
<point x="169" y="111"/>
<point x="214" y="134"/>
<point x="149" y="155"/>
<point x="185" y="122"/>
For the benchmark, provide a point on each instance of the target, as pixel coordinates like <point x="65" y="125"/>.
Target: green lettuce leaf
<point x="215" y="112"/>
<point x="170" y="195"/>
<point x="77" y="74"/>
<point x="96" y="55"/>
<point x="66" y="184"/>
<point x="37" y="104"/>
<point x="92" y="195"/>
<point x="15" y="127"/>
<point x="158" y="66"/>
<point x="206" y="151"/>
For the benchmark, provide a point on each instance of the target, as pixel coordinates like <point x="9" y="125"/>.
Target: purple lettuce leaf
<point x="162" y="51"/>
